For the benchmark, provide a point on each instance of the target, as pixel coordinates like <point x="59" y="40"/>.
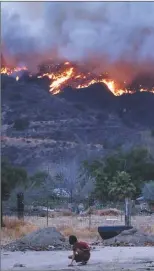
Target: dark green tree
<point x="137" y="163"/>
<point x="38" y="179"/>
<point x="121" y="186"/>
<point x="10" y="177"/>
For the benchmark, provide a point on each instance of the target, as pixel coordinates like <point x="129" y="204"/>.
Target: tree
<point x="67" y="177"/>
<point x="86" y="185"/>
<point x="137" y="163"/>
<point x="38" y="179"/>
<point x="140" y="165"/>
<point x="10" y="177"/>
<point x="38" y="189"/>
<point x="121" y="186"/>
<point x="101" y="185"/>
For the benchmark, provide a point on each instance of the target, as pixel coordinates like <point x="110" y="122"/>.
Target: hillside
<point x="39" y="128"/>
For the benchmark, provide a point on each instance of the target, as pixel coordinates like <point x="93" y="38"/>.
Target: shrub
<point x="21" y="124"/>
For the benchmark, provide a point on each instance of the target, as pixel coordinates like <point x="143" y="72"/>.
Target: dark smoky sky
<point x="118" y="36"/>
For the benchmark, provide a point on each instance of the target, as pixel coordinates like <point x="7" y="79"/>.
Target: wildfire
<point x="67" y="74"/>
<point x="9" y="71"/>
<point x="61" y="79"/>
<point x="110" y="84"/>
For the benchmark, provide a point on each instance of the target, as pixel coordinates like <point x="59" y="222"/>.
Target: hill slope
<point x="39" y="128"/>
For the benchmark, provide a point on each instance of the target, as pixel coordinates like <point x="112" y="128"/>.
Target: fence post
<point x="89" y="218"/>
<point x="90" y="211"/>
<point x="47" y="213"/>
<point x="20" y="205"/>
<point x="121" y="215"/>
<point x="2" y="223"/>
<point x="127" y="212"/>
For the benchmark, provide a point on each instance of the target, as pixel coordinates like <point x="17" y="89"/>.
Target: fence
<point x="61" y="214"/>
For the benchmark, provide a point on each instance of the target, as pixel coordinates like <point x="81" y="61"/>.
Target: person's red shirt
<point x="83" y="246"/>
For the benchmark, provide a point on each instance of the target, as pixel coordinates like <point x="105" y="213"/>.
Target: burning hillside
<point x="68" y="74"/>
<point x="10" y="71"/>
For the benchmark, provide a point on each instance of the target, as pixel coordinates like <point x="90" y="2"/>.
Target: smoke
<point x="117" y="37"/>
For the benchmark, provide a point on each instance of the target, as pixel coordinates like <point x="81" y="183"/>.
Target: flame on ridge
<point x="69" y="75"/>
<point x="9" y="71"/>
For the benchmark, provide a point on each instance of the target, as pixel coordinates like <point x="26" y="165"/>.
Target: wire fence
<point x="60" y="213"/>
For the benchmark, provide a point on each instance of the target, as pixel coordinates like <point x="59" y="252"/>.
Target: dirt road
<point x="102" y="259"/>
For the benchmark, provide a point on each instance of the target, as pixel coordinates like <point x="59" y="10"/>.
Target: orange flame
<point x="9" y="71"/>
<point x="61" y="79"/>
<point x="77" y="79"/>
<point x="70" y="75"/>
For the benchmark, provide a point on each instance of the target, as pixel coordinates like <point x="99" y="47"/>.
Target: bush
<point x="21" y="124"/>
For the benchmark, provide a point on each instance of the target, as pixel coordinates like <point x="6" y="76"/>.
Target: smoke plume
<point x="117" y="37"/>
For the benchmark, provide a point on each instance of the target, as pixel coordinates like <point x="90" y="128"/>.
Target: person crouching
<point x="81" y="251"/>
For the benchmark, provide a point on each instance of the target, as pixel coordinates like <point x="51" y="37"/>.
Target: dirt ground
<point x="102" y="259"/>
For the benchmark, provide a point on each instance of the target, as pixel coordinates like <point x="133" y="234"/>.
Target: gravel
<point x="131" y="237"/>
<point x="40" y="240"/>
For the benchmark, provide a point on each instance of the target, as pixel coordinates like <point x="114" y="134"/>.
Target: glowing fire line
<point x="71" y="76"/>
<point x="10" y="71"/>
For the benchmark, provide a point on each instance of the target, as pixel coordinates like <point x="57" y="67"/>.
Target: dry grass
<point x="144" y="223"/>
<point x="15" y="229"/>
<point x="86" y="233"/>
<point x="149" y="229"/>
<point x="108" y="212"/>
<point x="66" y="213"/>
<point x="71" y="225"/>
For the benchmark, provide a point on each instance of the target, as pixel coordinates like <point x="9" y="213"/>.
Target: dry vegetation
<point x="15" y="229"/>
<point x="83" y="233"/>
<point x="83" y="227"/>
